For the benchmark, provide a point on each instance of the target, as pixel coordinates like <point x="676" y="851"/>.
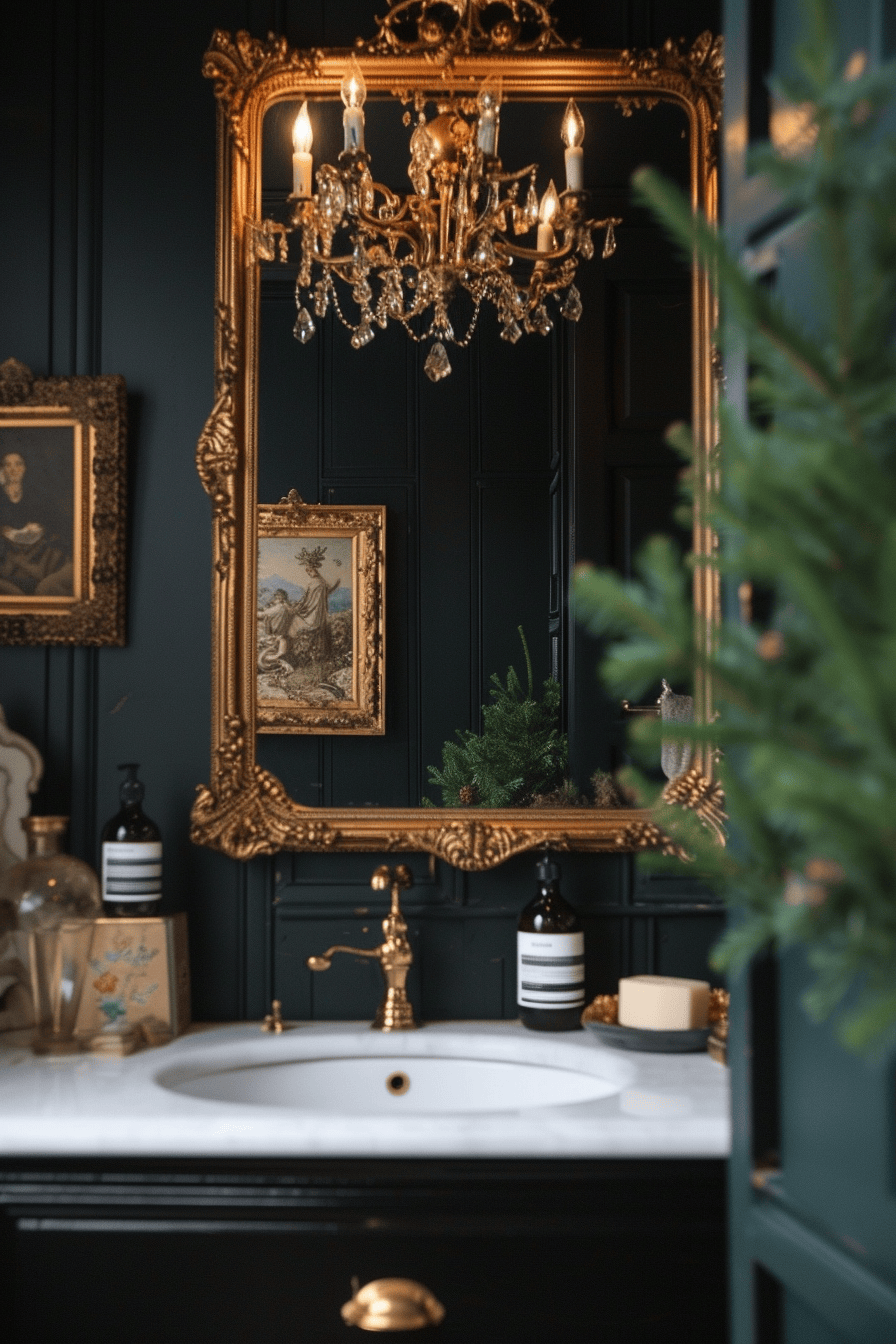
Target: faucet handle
<point x="385" y="877"/>
<point x="402" y="877"/>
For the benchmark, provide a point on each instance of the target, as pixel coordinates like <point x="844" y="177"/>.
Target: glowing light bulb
<point x="302" y="136"/>
<point x="573" y="132"/>
<point x="353" y="88"/>
<point x="572" y="135"/>
<point x="354" y="91"/>
<point x="550" y="204"/>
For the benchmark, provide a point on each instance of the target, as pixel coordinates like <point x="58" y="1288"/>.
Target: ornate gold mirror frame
<point x="245" y="810"/>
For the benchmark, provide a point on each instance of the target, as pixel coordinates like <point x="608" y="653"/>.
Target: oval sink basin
<point x="395" y="1085"/>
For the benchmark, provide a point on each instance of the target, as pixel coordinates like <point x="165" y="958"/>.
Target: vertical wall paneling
<point x="107" y="155"/>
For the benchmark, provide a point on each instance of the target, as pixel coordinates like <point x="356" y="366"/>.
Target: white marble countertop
<point x="665" y="1105"/>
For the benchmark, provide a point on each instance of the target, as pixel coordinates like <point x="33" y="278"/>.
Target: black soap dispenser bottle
<point x="550" y="957"/>
<point x="131" y="854"/>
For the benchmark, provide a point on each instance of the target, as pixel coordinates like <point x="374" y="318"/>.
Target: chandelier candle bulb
<point x="301" y="158"/>
<point x="663" y="1003"/>
<point x="353" y="91"/>
<point x="488" y="101"/>
<point x="572" y="135"/>
<point x="550" y="203"/>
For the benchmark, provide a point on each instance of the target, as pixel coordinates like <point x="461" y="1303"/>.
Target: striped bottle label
<point x="132" y="870"/>
<point x="550" y="970"/>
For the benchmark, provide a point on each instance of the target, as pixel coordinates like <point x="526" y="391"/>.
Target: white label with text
<point x="550" y="970"/>
<point x="132" y="870"/>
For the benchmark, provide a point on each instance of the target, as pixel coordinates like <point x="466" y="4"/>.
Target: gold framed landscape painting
<point x="320" y="618"/>
<point x="62" y="508"/>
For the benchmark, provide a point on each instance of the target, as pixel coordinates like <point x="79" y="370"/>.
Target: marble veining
<point x="661" y="1106"/>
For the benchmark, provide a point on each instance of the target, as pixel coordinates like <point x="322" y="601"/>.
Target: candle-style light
<point x="488" y="102"/>
<point x="354" y="91"/>
<point x="403" y="257"/>
<point x="572" y="135"/>
<point x="302" y="136"/>
<point x="550" y="204"/>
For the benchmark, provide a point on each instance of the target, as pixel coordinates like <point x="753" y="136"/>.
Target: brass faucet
<point x="395" y="956"/>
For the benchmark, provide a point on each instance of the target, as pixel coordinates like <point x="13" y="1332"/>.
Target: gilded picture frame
<point x="62" y="508"/>
<point x="245" y="810"/>
<point x="320" y="618"/>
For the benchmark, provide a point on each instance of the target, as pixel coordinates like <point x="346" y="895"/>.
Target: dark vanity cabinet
<point x="264" y="1252"/>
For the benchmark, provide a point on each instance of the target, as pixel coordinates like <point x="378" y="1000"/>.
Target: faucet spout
<point x="395" y="956"/>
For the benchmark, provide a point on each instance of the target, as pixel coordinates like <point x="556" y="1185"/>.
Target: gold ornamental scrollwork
<point x="245" y="810"/>
<point x="235" y="65"/>
<point x="258" y="818"/>
<point x="520" y="25"/>
<point x="217" y="454"/>
<point x="472" y="845"/>
<point x="699" y="72"/>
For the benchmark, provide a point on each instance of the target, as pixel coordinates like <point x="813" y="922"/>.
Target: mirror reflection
<point x="497" y="480"/>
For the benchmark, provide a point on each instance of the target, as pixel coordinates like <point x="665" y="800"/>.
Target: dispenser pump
<point x="131" y="790"/>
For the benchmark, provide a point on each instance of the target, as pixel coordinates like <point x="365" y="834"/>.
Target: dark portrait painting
<point x="39" y="509"/>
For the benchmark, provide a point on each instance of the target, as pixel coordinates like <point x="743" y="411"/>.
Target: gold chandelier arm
<point x="498" y="177"/>
<point x="531" y="253"/>
<point x="409" y="230"/>
<point x="389" y="197"/>
<point x="613" y="222"/>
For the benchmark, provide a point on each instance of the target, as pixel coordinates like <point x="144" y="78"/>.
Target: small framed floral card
<point x="138" y="972"/>
<point x="320" y="616"/>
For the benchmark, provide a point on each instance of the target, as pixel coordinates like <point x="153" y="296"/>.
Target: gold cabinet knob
<point x="392" y="1304"/>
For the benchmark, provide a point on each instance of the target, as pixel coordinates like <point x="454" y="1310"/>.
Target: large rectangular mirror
<point x="496" y="480"/>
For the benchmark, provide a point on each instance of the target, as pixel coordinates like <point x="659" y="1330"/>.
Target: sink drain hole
<point x="397" y="1083"/>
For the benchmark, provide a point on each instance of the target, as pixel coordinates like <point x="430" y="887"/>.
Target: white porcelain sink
<point x="416" y="1075"/>
<point x="399" y="1085"/>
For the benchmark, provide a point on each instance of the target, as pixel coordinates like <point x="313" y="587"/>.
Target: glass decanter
<point x="57" y="899"/>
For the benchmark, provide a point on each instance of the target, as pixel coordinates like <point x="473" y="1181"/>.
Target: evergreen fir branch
<point x="807" y="716"/>
<point x="520" y="753"/>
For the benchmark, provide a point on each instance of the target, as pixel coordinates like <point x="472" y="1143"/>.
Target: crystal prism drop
<point x="538" y="320"/>
<point x="511" y="332"/>
<point x="609" y="242"/>
<point x="586" y="245"/>
<point x="437" y="365"/>
<point x="304" y="327"/>
<point x="363" y="336"/>
<point x="571" y="308"/>
<point x="532" y="202"/>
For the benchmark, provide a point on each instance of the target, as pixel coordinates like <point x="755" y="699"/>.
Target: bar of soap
<point x="663" y="1002"/>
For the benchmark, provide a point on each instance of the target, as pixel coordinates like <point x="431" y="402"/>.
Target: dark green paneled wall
<point x="107" y="148"/>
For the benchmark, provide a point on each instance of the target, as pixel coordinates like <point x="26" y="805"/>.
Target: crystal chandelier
<point x="405" y="258"/>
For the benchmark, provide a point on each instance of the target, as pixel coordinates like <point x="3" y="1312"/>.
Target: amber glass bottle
<point x="550" y="957"/>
